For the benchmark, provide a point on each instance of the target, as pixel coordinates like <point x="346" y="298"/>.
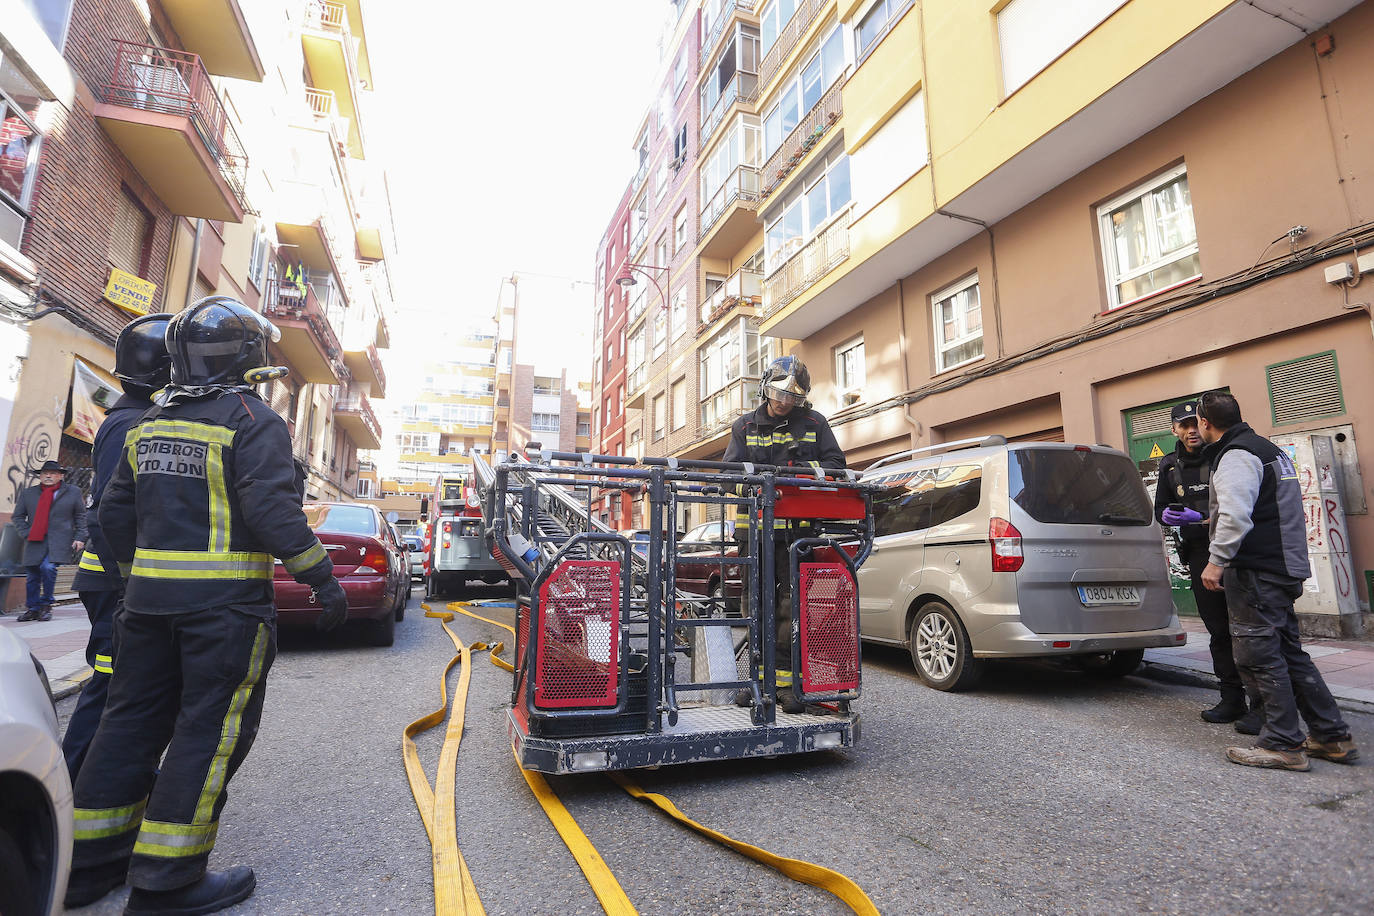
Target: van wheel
<point x="1112" y="664"/>
<point x="940" y="649"/>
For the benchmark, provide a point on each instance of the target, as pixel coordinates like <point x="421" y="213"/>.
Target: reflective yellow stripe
<point x="201" y="564"/>
<point x="97" y="823"/>
<point x="104" y="664"/>
<point x="126" y="569"/>
<point x="90" y="562"/>
<point x="306" y="558"/>
<point x="781" y="678"/>
<point x="187" y="429"/>
<point x="229" y="732"/>
<point x="175" y="841"/>
<point x="219" y="499"/>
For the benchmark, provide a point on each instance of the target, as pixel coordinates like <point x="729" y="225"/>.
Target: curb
<point x="1177" y="674"/>
<point x="65" y="687"/>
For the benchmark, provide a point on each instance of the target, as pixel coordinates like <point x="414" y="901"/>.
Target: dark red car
<point x="711" y="539"/>
<point x="369" y="562"/>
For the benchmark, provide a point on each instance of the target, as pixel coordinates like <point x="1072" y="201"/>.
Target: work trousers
<point x="100" y="609"/>
<point x="191" y="684"/>
<point x="1271" y="660"/>
<point x="1211" y="607"/>
<point x="782" y="607"/>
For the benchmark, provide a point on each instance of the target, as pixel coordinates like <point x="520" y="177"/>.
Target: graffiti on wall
<point x="36" y="439"/>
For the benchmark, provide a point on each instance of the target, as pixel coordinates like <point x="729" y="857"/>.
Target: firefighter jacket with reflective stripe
<point x="91" y="574"/>
<point x="803" y="437"/>
<point x="202" y="500"/>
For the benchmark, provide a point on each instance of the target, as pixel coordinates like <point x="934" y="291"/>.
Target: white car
<point x="35" y="792"/>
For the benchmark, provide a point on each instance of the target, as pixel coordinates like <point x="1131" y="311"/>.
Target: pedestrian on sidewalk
<point x="1259" y="557"/>
<point x="1182" y="500"/>
<point x="142" y="367"/>
<point x="51" y="520"/>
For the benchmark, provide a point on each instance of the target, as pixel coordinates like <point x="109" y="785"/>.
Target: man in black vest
<point x="1181" y="500"/>
<point x="1259" y="556"/>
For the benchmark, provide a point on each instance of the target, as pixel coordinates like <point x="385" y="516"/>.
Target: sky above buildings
<point x="507" y="131"/>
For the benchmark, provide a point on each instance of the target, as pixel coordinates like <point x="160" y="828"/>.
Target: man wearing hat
<point x="1181" y="500"/>
<point x="51" y="520"/>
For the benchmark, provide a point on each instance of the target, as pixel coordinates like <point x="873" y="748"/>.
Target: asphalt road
<point x="1042" y="792"/>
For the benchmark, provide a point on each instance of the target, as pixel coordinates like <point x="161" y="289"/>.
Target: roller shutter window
<point x="130" y="234"/>
<point x="1305" y="389"/>
<point x="201" y="290"/>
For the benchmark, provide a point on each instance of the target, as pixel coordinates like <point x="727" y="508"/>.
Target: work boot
<point x="788" y="702"/>
<point x="1231" y="708"/>
<point x="744" y="697"/>
<point x="1251" y="722"/>
<point x="1269" y="758"/>
<point x="213" y="892"/>
<point x="1342" y="750"/>
<point x="29" y="614"/>
<point x="87" y="885"/>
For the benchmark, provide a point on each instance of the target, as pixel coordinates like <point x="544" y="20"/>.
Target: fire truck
<point x="455" y="545"/>
<point x="617" y="668"/>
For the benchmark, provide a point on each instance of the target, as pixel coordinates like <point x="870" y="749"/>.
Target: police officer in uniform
<point x="784" y="430"/>
<point x="202" y="500"/>
<point x="142" y="367"/>
<point x="1181" y="497"/>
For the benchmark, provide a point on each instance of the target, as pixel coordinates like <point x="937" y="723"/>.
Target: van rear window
<point x="924" y="498"/>
<point x="1070" y="487"/>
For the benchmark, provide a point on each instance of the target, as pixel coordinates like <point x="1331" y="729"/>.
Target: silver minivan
<point x="987" y="549"/>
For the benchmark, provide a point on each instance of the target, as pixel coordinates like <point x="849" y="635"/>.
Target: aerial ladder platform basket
<point x="617" y="667"/>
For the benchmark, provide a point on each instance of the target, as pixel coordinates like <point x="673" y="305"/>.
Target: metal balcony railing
<point x="808" y="132"/>
<point x="741" y="186"/>
<point x="357" y="403"/>
<point x="808" y="264"/>
<point x="719" y="409"/>
<point x="175" y="82"/>
<point x="639" y="377"/>
<point x="727" y="15"/>
<point x="298" y="302"/>
<point x="640" y="237"/>
<point x="788" y="36"/>
<point x="324" y="109"/>
<point x="375" y="360"/>
<point x="743" y="88"/>
<point x="744" y="287"/>
<point x="328" y="16"/>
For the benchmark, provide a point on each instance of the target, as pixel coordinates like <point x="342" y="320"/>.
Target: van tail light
<point x="374" y="558"/>
<point x="1006" y="545"/>
<point x="448" y="528"/>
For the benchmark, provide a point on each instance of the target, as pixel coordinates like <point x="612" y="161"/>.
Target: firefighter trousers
<point x="100" y="608"/>
<point x="191" y="684"/>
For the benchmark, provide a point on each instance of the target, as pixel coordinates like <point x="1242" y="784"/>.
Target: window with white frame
<point x="258" y="258"/>
<point x="680" y="229"/>
<point x="679" y="393"/>
<point x="544" y="423"/>
<point x="416" y="442"/>
<point x="876" y="23"/>
<point x="660" y="325"/>
<point x="680" y="71"/>
<point x="824" y="193"/>
<point x="849" y="371"/>
<point x="740" y="146"/>
<point x="804" y="91"/>
<point x="958" y="322"/>
<point x="364" y="490"/>
<point x="678" y="319"/>
<point x="661" y="179"/>
<point x="659" y="403"/>
<point x="661" y="251"/>
<point x="584" y="428"/>
<point x="774" y="17"/>
<point x="1032" y="33"/>
<point x="1149" y="242"/>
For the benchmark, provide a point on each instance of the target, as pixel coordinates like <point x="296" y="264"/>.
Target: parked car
<point x="987" y="549"/>
<point x="368" y="562"/>
<point x="415" y="555"/>
<point x="35" y="793"/>
<point x="709" y="539"/>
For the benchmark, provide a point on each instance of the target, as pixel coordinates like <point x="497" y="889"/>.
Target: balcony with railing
<point x="809" y="132"/>
<point x="788" y="37"/>
<point x="806" y="265"/>
<point x="744" y="288"/>
<point x="729" y="10"/>
<point x="742" y="88"/>
<point x="365" y="365"/>
<point x="729" y="218"/>
<point x="307" y="342"/>
<point x="161" y="110"/>
<point x="322" y="113"/>
<point x="331" y="54"/>
<point x="635" y="387"/>
<point x="218" y="32"/>
<point x="353" y="414"/>
<point x="719" y="410"/>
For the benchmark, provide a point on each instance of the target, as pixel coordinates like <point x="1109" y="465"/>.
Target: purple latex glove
<point x="1181" y="516"/>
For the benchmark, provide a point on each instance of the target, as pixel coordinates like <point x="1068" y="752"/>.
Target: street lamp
<point x="626" y="279"/>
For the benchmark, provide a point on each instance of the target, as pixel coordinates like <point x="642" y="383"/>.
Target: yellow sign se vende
<point x="131" y="293"/>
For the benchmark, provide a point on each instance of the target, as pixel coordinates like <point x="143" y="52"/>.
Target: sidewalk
<point x="60" y="644"/>
<point x="1346" y="666"/>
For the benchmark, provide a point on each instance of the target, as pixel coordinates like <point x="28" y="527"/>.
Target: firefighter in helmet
<point x="202" y="499"/>
<point x="783" y="431"/>
<point x="143" y="367"/>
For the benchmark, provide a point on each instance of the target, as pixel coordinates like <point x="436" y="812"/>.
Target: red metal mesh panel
<point x="522" y="635"/>
<point x="829" y="628"/>
<point x="577" y="662"/>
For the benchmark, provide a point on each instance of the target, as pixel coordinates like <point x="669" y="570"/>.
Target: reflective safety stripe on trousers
<point x="104" y="664"/>
<point x="90" y="562"/>
<point x="200" y="564"/>
<point x="98" y="823"/>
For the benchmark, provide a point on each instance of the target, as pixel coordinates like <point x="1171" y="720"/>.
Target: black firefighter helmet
<point x="786" y="380"/>
<point x="216" y="340"/>
<point x="141" y="359"/>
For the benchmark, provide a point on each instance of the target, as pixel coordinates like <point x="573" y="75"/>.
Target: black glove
<point x="333" y="604"/>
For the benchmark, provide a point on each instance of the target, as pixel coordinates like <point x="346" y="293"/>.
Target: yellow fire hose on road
<point x="454" y="890"/>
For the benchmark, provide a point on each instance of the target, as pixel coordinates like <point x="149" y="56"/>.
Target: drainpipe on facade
<point x="195" y="257"/>
<point x="916" y="428"/>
